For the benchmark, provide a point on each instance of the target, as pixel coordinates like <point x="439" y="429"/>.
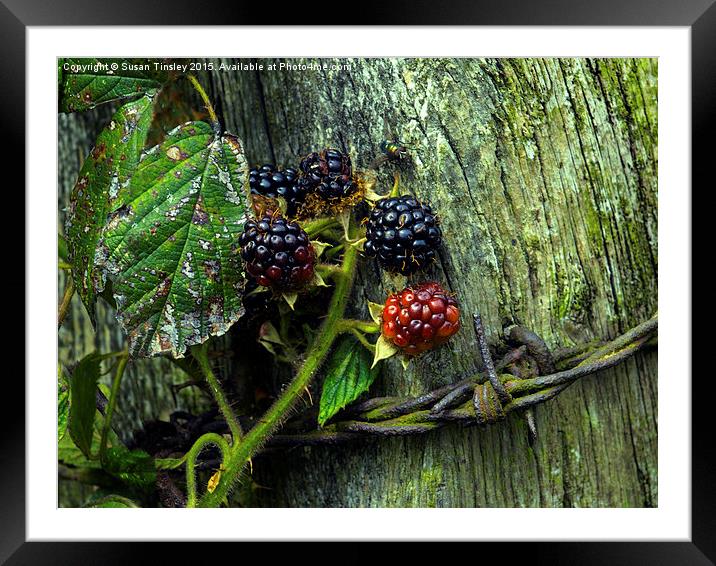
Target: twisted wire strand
<point x="390" y="416"/>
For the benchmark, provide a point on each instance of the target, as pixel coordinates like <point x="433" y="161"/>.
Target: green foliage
<point x="171" y="250"/>
<point x="83" y="387"/>
<point x="135" y="467"/>
<point x="63" y="403"/>
<point x="86" y="83"/>
<point x="100" y="188"/>
<point x="348" y="376"/>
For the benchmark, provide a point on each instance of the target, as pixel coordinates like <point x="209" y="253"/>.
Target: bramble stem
<point x="242" y="452"/>
<point x="66" y="301"/>
<point x="202" y="93"/>
<point x="113" y="394"/>
<point x="200" y="355"/>
<point x="193" y="454"/>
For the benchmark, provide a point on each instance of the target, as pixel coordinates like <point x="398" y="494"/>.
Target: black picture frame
<point x="698" y="15"/>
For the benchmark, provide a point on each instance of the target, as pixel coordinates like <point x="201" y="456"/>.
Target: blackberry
<point x="278" y="253"/>
<point x="268" y="181"/>
<point x="420" y="318"/>
<point x="328" y="173"/>
<point x="403" y="234"/>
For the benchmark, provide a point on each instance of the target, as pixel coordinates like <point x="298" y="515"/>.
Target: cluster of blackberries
<point x="269" y="182"/>
<point x="403" y="234"/>
<point x="327" y="174"/>
<point x="278" y="253"/>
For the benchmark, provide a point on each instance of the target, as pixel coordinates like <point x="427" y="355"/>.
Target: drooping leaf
<point x="348" y="376"/>
<point x="100" y="186"/>
<point x="171" y="250"/>
<point x="69" y="454"/>
<point x="83" y="384"/>
<point x="63" y="403"/>
<point x="135" y="468"/>
<point x="87" y="82"/>
<point x="112" y="501"/>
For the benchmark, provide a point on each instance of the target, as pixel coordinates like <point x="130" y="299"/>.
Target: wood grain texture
<point x="544" y="173"/>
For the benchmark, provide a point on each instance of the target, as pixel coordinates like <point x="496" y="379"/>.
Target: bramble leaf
<point x="171" y="250"/>
<point x="83" y="385"/>
<point x="86" y="82"/>
<point x="348" y="376"/>
<point x="135" y="468"/>
<point x="101" y="185"/>
<point x="63" y="403"/>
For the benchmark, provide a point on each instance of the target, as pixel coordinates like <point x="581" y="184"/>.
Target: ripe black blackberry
<point x="270" y="182"/>
<point x="328" y="173"/>
<point x="278" y="253"/>
<point x="403" y="234"/>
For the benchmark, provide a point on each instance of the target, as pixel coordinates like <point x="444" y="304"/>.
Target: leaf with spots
<point x="85" y="83"/>
<point x="348" y="376"/>
<point x="101" y="184"/>
<point x="171" y="251"/>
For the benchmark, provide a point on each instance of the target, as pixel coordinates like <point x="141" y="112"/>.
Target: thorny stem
<point x="202" y="93"/>
<point x="202" y="442"/>
<point x="242" y="452"/>
<point x="200" y="355"/>
<point x="66" y="300"/>
<point x="114" y="393"/>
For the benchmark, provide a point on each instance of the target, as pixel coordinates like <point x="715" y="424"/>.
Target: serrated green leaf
<point x="63" y="403"/>
<point x="70" y="455"/>
<point x="171" y="251"/>
<point x="348" y="376"/>
<point x="85" y="83"/>
<point x="111" y="501"/>
<point x="135" y="468"/>
<point x="83" y="385"/>
<point x="100" y="187"/>
<point x="384" y="349"/>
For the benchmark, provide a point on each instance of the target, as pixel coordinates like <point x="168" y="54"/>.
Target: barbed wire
<point x="529" y="374"/>
<point x="485" y="398"/>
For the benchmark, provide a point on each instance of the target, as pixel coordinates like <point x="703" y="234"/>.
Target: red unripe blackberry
<point x="277" y="253"/>
<point x="328" y="174"/>
<point x="402" y="233"/>
<point x="420" y="318"/>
